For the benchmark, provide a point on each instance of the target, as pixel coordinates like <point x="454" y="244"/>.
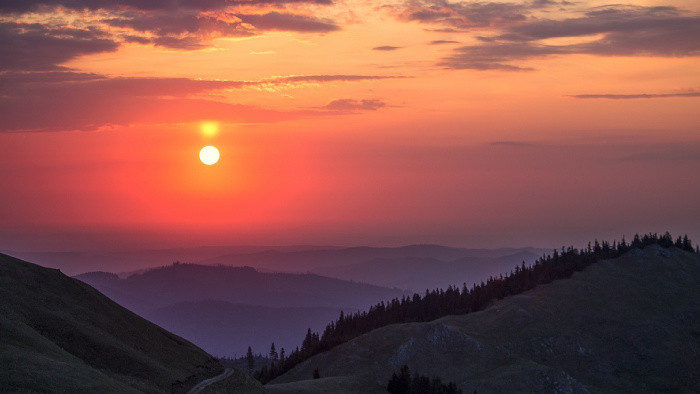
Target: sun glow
<point x="209" y="155"/>
<point x="210" y="129"/>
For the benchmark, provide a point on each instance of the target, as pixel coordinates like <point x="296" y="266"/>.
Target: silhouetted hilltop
<point x="315" y="260"/>
<point x="120" y="261"/>
<point x="420" y="273"/>
<point x="628" y="324"/>
<point x="61" y="335"/>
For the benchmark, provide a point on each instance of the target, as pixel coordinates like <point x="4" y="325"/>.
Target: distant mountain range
<point x="125" y="262"/>
<point x="299" y="258"/>
<point x="58" y="334"/>
<point x="253" y="306"/>
<point x="315" y="260"/>
<point x="226" y="309"/>
<point x="160" y="287"/>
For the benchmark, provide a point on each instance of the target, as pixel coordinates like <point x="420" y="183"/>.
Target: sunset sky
<point x="347" y="122"/>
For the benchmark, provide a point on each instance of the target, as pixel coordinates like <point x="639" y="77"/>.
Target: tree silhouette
<point x="251" y="359"/>
<point x="273" y="352"/>
<point x="402" y="383"/>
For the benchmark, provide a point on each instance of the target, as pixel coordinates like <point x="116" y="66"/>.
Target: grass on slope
<point x="238" y="382"/>
<point x="60" y="334"/>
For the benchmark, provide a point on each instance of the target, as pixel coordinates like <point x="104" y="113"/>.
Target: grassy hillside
<point x="238" y="382"/>
<point x="61" y="335"/>
<point x="629" y="324"/>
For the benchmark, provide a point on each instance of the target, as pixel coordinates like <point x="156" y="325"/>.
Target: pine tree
<point x="250" y="358"/>
<point x="273" y="352"/>
<point x="401" y="383"/>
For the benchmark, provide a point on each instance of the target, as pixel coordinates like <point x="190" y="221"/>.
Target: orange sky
<point x="347" y="122"/>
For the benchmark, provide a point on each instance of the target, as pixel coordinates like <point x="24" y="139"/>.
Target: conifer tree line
<point x="455" y="301"/>
<point x="403" y="383"/>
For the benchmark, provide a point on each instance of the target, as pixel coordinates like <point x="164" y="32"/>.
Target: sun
<point x="209" y="155"/>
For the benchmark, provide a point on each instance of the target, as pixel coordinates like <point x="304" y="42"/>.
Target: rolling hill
<point x="61" y="335"/>
<point x="629" y="324"/>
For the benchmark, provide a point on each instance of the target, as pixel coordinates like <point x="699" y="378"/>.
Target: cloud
<point x="190" y="30"/>
<point x="635" y="96"/>
<point x="350" y="105"/>
<point x="607" y="19"/>
<point x="289" y="22"/>
<point x="26" y="46"/>
<point x="28" y="100"/>
<point x="386" y="48"/>
<point x="328" y="78"/>
<point x="463" y="15"/>
<point x="21" y="6"/>
<point x="92" y="102"/>
<point x="48" y="114"/>
<point x="441" y="42"/>
<point x="493" y="56"/>
<point x="624" y="31"/>
<point x="177" y="24"/>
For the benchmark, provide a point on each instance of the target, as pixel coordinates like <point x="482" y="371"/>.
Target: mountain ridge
<point x="638" y="314"/>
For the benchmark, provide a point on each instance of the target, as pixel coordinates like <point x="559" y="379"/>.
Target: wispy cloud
<point x="351" y="105"/>
<point x="441" y="42"/>
<point x="28" y="100"/>
<point x="635" y="96"/>
<point x="386" y="48"/>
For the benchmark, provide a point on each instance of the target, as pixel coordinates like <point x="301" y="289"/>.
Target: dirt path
<point x="204" y="383"/>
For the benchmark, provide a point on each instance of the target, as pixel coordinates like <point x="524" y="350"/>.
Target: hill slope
<point x="629" y="324"/>
<point x="61" y="335"/>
